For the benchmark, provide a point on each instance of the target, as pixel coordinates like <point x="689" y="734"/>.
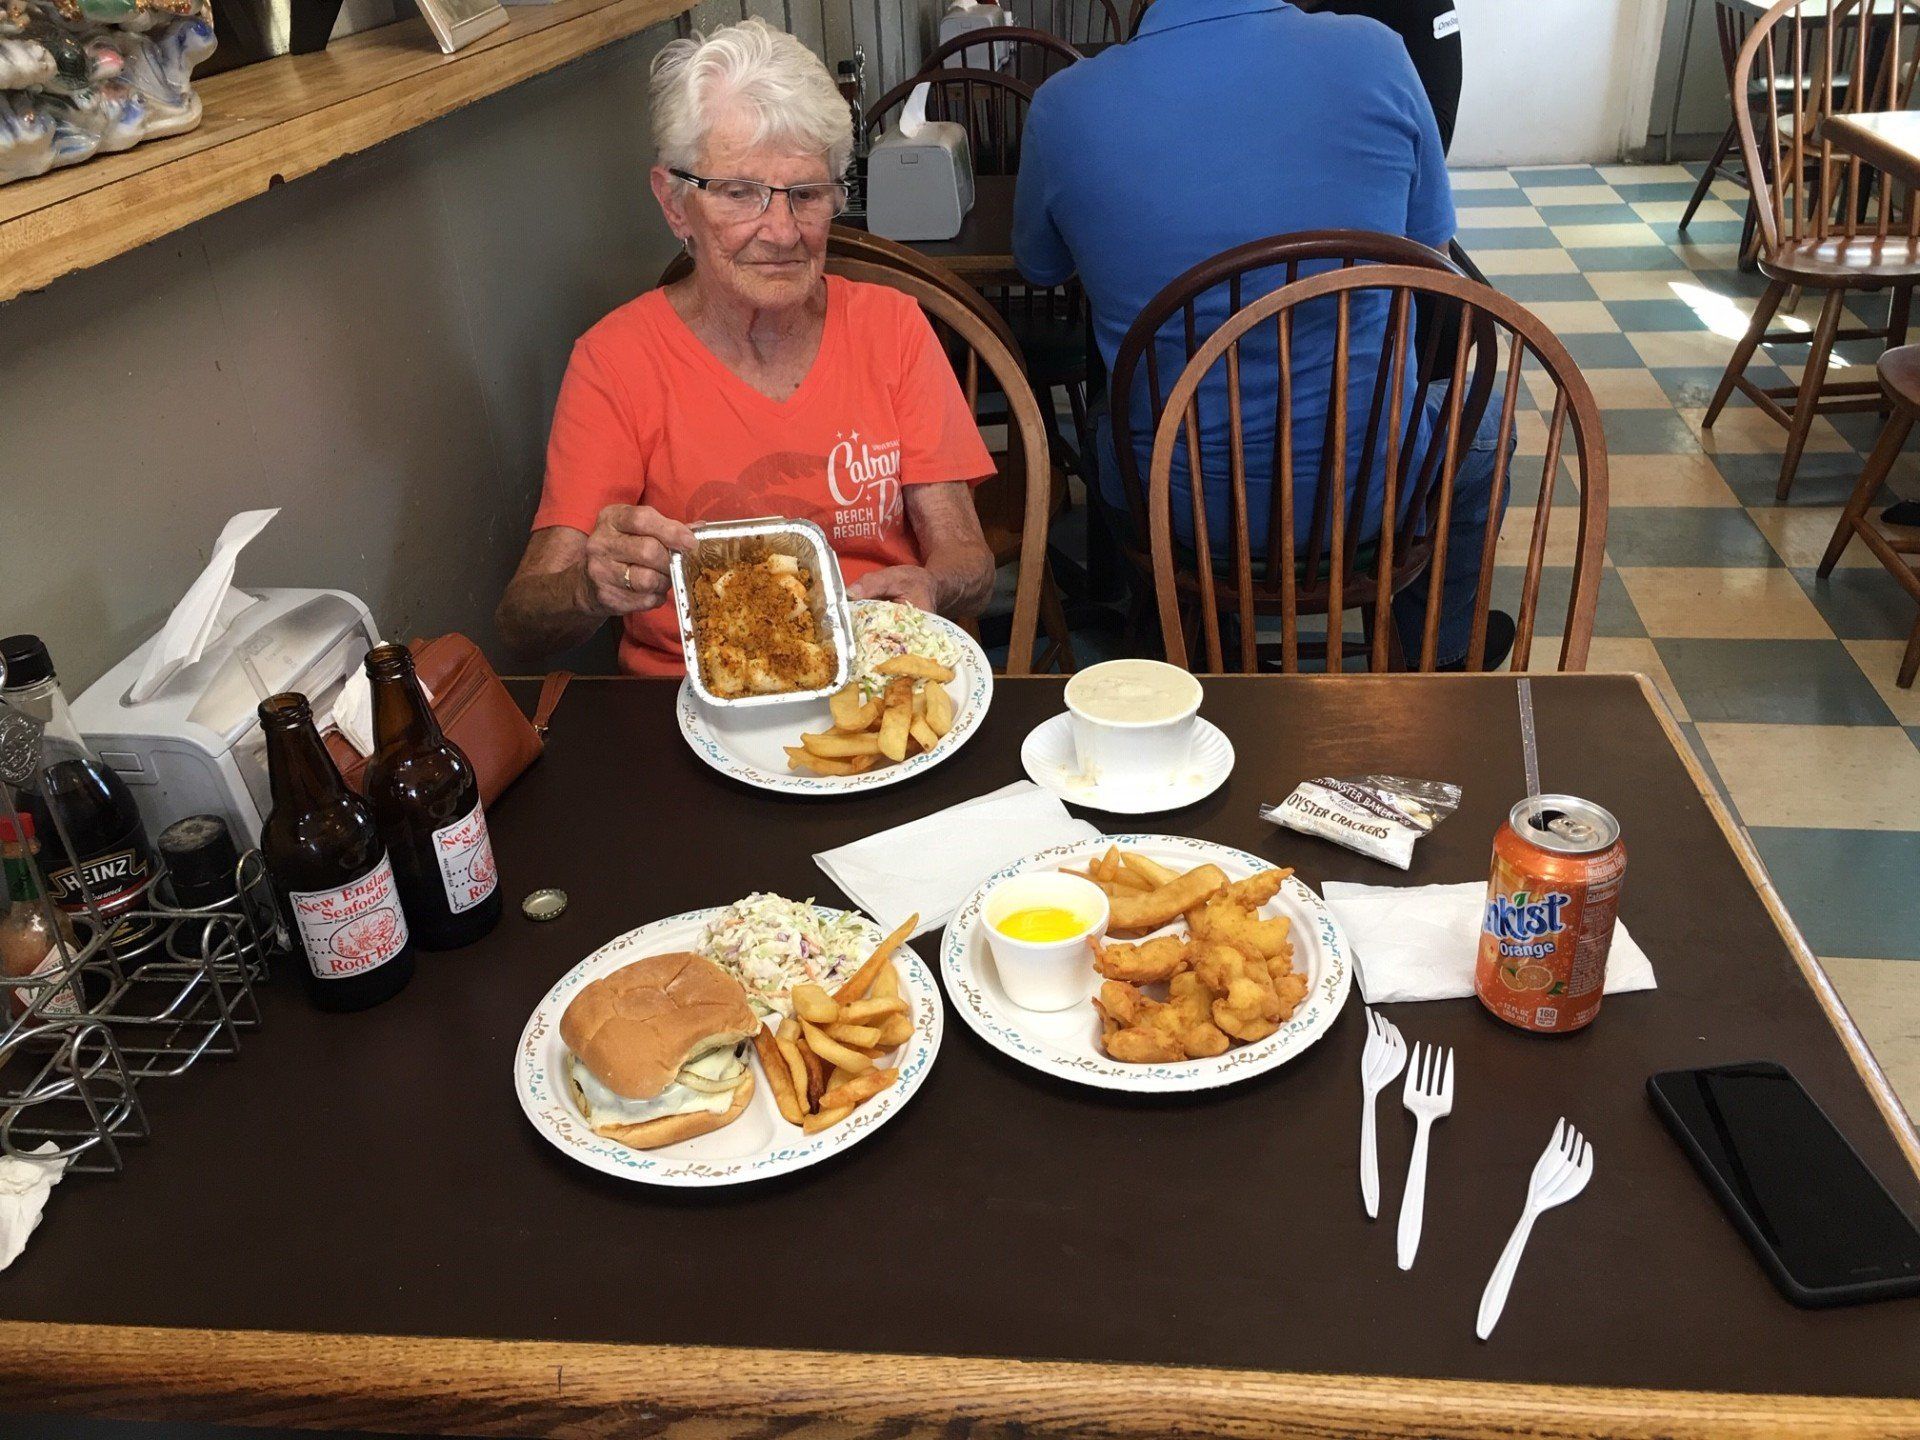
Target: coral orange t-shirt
<point x="649" y="416"/>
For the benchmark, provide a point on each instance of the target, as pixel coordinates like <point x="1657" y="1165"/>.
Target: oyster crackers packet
<point x="1377" y="815"/>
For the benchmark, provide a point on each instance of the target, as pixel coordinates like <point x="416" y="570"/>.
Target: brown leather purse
<point x="475" y="711"/>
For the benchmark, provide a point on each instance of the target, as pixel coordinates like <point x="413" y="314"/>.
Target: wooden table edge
<point x="581" y="1391"/>
<point x="574" y="1391"/>
<point x="1868" y="144"/>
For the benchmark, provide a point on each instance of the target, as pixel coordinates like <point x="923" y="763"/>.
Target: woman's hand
<point x="625" y="567"/>
<point x="899" y="582"/>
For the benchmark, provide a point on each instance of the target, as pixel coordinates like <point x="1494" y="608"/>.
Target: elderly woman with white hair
<point x="758" y="385"/>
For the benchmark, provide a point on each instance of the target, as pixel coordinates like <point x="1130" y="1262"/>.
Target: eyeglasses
<point x="736" y="201"/>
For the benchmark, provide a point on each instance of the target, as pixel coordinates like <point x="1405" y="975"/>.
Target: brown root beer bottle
<point x="426" y="801"/>
<point x="329" y="869"/>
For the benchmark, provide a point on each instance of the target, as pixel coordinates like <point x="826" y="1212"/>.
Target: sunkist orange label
<point x="1544" y="944"/>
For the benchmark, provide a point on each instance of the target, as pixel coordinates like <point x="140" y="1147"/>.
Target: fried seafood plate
<point x="1229" y="979"/>
<point x="754" y="626"/>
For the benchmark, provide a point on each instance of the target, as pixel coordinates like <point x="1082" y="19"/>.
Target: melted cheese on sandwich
<point x="719" y="1067"/>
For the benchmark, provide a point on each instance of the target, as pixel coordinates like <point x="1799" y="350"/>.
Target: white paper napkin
<point x="932" y="865"/>
<point x="353" y="710"/>
<point x="24" y="1187"/>
<point x="1420" y="942"/>
<point x="205" y="611"/>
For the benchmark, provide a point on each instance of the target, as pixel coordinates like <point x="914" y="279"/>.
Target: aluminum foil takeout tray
<point x="730" y="542"/>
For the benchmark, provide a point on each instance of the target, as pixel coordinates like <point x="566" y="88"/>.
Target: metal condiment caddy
<point x="78" y="1039"/>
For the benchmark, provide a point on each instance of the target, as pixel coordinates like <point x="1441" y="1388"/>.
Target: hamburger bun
<point x="636" y="1028"/>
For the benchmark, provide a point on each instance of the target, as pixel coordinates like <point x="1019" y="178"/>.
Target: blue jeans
<point x="1466" y="532"/>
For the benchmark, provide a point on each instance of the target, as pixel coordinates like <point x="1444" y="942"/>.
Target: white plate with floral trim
<point x="760" y="1143"/>
<point x="749" y="743"/>
<point x="1066" y="1043"/>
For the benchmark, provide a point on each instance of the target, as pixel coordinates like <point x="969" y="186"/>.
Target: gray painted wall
<point x="376" y="348"/>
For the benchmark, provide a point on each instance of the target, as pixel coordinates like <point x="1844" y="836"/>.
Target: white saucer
<point x="1047" y="754"/>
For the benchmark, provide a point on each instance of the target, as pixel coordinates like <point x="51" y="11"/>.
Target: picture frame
<point x="460" y="22"/>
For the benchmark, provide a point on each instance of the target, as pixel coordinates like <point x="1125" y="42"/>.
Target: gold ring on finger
<point x="626" y="576"/>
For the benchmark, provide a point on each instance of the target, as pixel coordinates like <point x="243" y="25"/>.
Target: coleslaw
<point x="771" y="944"/>
<point x="883" y="629"/>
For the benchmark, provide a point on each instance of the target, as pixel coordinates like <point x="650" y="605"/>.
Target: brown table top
<point x="1195" y="1263"/>
<point x="1889" y="140"/>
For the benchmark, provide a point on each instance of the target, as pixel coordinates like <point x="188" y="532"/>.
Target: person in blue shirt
<point x="1225" y="121"/>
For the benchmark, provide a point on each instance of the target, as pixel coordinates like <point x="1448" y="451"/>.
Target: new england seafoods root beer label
<point x="464" y="852"/>
<point x="1558" y="864"/>
<point x="354" y="929"/>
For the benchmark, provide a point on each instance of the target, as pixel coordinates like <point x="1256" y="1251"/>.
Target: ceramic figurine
<point x="83" y="77"/>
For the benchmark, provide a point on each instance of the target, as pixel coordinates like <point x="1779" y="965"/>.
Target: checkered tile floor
<point x="1784" y="682"/>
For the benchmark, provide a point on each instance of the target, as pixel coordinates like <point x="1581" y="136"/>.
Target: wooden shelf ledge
<point x="282" y="119"/>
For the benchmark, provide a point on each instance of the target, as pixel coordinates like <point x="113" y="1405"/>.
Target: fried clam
<point x="1245" y="1005"/>
<point x="1224" y="921"/>
<point x="1148" y="963"/>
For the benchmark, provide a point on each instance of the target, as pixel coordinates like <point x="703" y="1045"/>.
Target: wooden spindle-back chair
<point x="1027" y="54"/>
<point x="1136" y="15"/>
<point x="1828" y="223"/>
<point x="1732" y="19"/>
<point x="1078" y="22"/>
<point x="1336" y="566"/>
<point x="1168" y="333"/>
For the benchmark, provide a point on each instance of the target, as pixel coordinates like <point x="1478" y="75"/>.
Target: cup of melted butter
<point x="1038" y="928"/>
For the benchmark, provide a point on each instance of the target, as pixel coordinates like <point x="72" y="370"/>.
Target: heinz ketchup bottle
<point x="329" y="868"/>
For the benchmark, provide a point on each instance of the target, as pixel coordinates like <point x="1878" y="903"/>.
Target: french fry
<point x="800" y="758"/>
<point x="866" y="1012"/>
<point x="814" y="1124"/>
<point x="856" y="1090"/>
<point x="897" y="1031"/>
<point x="920" y="703"/>
<point x="916" y="667"/>
<point x="886" y="985"/>
<point x="816" y="1069"/>
<point x="896" y="718"/>
<point x="779" y="1077"/>
<point x="856" y="988"/>
<point x="923" y="732"/>
<point x="812" y="1002"/>
<point x="826" y="1048"/>
<point x="845" y="703"/>
<point x="1136" y="874"/>
<point x="841" y="747"/>
<point x="796" y="1068"/>
<point x="1154" y="871"/>
<point x="939" y="708"/>
<point x="1107" y="867"/>
<point x="863" y="1037"/>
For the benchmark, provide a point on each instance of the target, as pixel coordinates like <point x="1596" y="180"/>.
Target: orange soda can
<point x="1558" y="864"/>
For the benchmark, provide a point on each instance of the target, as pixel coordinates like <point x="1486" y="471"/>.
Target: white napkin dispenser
<point x="963" y="18"/>
<point x="195" y="747"/>
<point x="920" y="185"/>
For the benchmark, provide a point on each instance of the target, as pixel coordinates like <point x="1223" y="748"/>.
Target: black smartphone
<point x="1825" y="1228"/>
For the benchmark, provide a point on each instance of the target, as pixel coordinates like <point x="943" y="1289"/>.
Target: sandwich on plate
<point x="658" y="1050"/>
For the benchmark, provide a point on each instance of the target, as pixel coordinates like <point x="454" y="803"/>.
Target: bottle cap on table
<point x="544" y="904"/>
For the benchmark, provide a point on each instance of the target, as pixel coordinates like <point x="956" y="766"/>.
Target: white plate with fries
<point x="1072" y="1043"/>
<point x="848" y="742"/>
<point x="762" y="1142"/>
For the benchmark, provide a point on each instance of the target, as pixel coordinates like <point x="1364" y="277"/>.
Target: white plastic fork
<point x="1561" y="1172"/>
<point x="1383" y="1059"/>
<point x="1429" y="1095"/>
